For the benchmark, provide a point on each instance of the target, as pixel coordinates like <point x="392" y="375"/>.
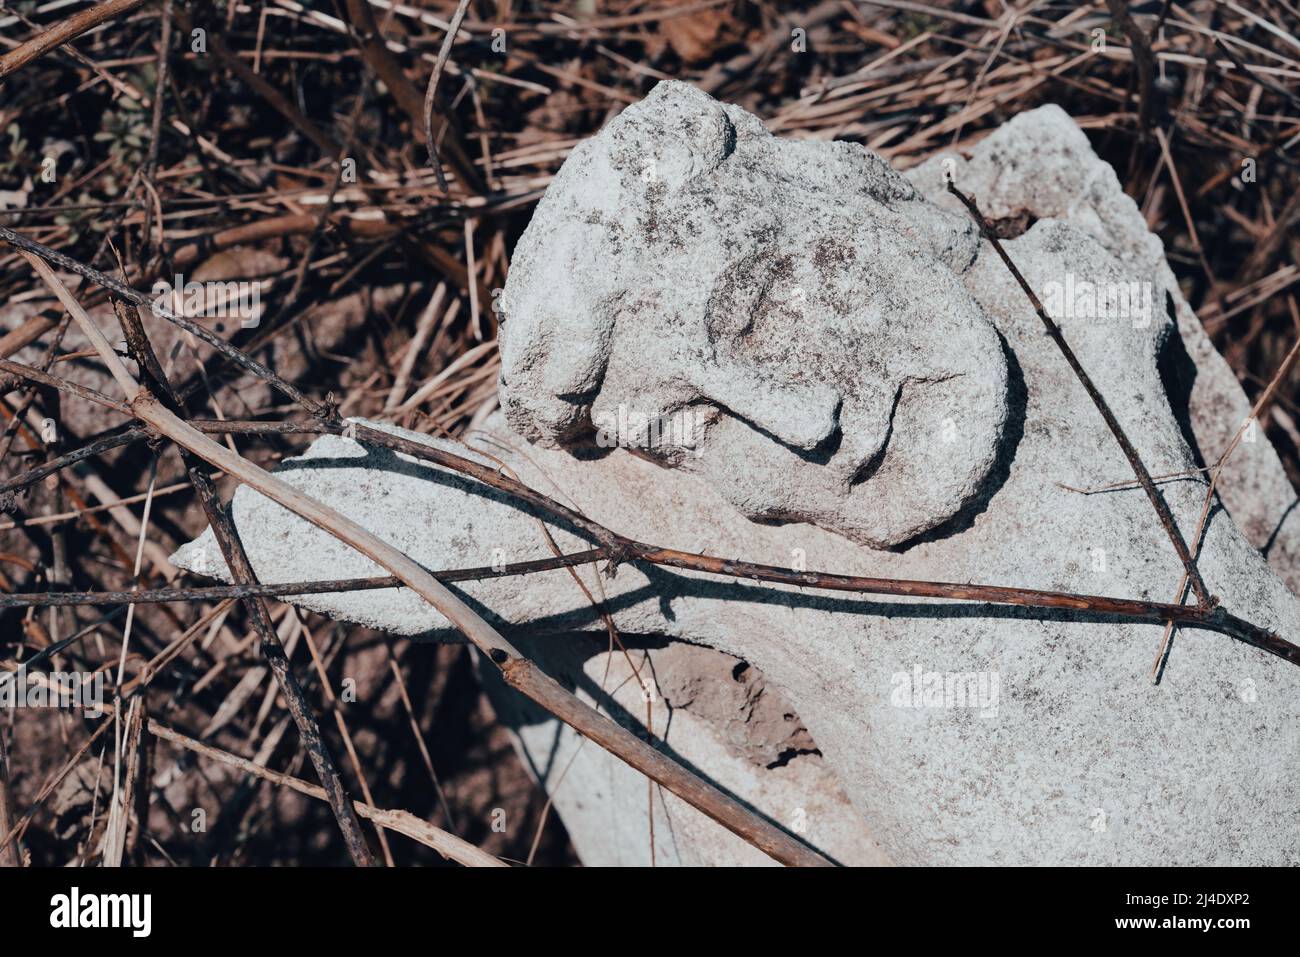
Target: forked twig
<point x="617" y="548"/>
<point x="1135" y="461"/>
<point x="1216" y="472"/>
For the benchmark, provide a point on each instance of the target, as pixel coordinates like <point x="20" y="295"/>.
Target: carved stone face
<point x="696" y="289"/>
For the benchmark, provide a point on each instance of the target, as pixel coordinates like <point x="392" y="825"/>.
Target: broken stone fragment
<point x="1080" y="759"/>
<point x="708" y="711"/>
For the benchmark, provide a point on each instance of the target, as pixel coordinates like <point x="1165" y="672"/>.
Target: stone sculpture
<point x="871" y="393"/>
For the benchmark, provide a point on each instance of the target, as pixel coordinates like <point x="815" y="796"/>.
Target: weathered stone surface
<point x="1076" y="758"/>
<point x="1041" y="166"/>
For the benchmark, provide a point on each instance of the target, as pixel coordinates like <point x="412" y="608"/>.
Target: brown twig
<point x="9" y="854"/>
<point x="63" y="31"/>
<point x="1143" y="61"/>
<point x="160" y="91"/>
<point x="63" y="385"/>
<point x="431" y="93"/>
<point x="333" y="586"/>
<point x="1130" y="453"/>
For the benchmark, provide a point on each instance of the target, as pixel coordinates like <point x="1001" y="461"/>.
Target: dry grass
<point x="379" y="291"/>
